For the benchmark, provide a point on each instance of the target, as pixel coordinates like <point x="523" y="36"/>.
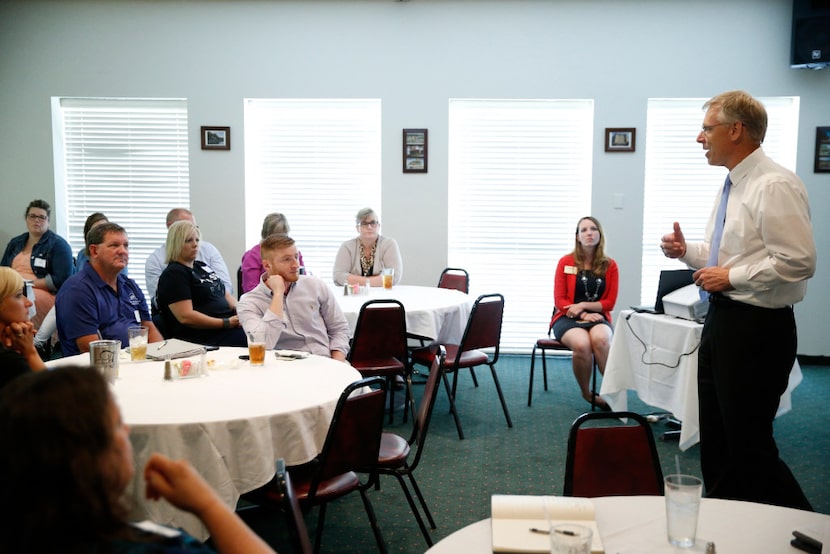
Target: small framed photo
<point x="415" y="144"/>
<point x="620" y="139"/>
<point x="822" y="164"/>
<point x="216" y="138"/>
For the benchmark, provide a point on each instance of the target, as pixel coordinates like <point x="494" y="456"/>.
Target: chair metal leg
<point x="501" y="395"/>
<point x="321" y="520"/>
<point x="373" y="520"/>
<point x="421" y="499"/>
<point x="473" y="375"/>
<point x="594" y="385"/>
<point x="415" y="510"/>
<point x="451" y="397"/>
<point x="530" y="384"/>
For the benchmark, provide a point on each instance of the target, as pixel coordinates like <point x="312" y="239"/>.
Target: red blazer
<point x="564" y="288"/>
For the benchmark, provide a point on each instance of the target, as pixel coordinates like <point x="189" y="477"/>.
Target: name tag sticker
<point x="137" y="316"/>
<point x="40" y="262"/>
<point x="571" y="270"/>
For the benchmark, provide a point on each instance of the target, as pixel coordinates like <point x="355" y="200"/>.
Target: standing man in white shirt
<point x="207" y="254"/>
<point x="754" y="262"/>
<point x="295" y="312"/>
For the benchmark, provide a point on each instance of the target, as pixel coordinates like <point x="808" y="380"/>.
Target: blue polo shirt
<point x="86" y="305"/>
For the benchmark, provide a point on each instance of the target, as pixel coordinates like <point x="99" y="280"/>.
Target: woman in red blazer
<point x="584" y="293"/>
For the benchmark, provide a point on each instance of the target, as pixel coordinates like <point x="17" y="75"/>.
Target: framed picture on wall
<point x="216" y="138"/>
<point x="620" y="139"/>
<point x="415" y="144"/>
<point x="822" y="163"/>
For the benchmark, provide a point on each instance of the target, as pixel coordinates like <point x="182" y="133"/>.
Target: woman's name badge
<point x="571" y="270"/>
<point x="40" y="262"/>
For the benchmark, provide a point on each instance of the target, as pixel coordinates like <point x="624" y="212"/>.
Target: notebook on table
<point x="175" y="348"/>
<point x="521" y="523"/>
<point x="670" y="281"/>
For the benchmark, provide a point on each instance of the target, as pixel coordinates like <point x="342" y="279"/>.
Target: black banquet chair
<point x="454" y="278"/>
<point x="379" y="346"/>
<point x="483" y="331"/>
<point x="396" y="457"/>
<point x="607" y="457"/>
<point x="352" y="445"/>
<point x="549" y="343"/>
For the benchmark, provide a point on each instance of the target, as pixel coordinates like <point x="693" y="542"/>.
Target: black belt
<point x="722" y="300"/>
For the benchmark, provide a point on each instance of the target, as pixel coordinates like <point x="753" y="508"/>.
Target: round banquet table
<point x="637" y="524"/>
<point x="436" y="313"/>
<point x="232" y="425"/>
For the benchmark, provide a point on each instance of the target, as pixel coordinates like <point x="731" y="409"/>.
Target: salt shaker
<point x="168" y="369"/>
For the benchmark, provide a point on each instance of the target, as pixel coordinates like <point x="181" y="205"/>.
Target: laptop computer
<point x="670" y="281"/>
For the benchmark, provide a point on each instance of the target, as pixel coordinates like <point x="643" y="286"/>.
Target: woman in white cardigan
<point x="365" y="256"/>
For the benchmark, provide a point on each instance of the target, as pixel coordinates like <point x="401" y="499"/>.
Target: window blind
<point x="316" y="161"/>
<point x="679" y="183"/>
<point x="519" y="179"/>
<point x="127" y="158"/>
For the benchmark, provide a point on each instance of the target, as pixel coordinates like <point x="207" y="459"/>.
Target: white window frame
<point x="316" y="161"/>
<point x="125" y="157"/>
<point x="519" y="180"/>
<point x="681" y="186"/>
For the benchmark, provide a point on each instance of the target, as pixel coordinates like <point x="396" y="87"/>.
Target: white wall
<point x="414" y="56"/>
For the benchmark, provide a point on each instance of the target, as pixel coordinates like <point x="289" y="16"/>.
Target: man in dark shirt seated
<point x="99" y="301"/>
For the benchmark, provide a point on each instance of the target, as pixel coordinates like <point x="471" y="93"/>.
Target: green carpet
<point x="458" y="476"/>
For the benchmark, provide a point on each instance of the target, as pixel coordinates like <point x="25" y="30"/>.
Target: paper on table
<point x="513" y="516"/>
<point x="175" y="348"/>
<point x="291" y="354"/>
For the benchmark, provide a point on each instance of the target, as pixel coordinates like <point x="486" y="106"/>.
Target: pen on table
<point x="162" y="345"/>
<point x="558" y="531"/>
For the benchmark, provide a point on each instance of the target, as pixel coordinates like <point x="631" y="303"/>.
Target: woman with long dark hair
<point x="584" y="292"/>
<point x="67" y="460"/>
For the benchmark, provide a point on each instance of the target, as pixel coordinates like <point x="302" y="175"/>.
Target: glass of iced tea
<point x="388" y="275"/>
<point x="256" y="348"/>
<point x="138" y="342"/>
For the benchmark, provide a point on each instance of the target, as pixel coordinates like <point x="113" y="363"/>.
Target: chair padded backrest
<point x="299" y="532"/>
<point x="424" y="413"/>
<point x="615" y="460"/>
<point x="484" y="325"/>
<point x="380" y="332"/>
<point x="454" y="278"/>
<point x="353" y="439"/>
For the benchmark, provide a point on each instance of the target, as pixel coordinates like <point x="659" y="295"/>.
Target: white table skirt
<point x="656" y="355"/>
<point x="231" y="425"/>
<point x="637" y="525"/>
<point x="440" y="314"/>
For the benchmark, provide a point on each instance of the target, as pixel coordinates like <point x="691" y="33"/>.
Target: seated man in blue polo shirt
<point x="99" y="301"/>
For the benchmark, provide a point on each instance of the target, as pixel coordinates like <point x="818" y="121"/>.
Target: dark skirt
<point x="565" y="324"/>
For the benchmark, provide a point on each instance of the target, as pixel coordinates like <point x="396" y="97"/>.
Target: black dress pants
<point x="746" y="355"/>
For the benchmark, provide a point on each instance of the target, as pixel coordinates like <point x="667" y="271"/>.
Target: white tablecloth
<point x="440" y="314"/>
<point x="231" y="425"/>
<point x="656" y="355"/>
<point x="637" y="525"/>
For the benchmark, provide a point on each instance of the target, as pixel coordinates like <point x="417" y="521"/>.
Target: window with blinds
<point x="519" y="179"/>
<point x="679" y="183"/>
<point x="127" y="158"/>
<point x="316" y="161"/>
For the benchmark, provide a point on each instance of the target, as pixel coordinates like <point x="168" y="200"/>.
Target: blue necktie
<point x="717" y="234"/>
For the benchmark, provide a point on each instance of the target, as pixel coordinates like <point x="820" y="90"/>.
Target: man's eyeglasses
<point x="369" y="223"/>
<point x="708" y="128"/>
<point x="33" y="217"/>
